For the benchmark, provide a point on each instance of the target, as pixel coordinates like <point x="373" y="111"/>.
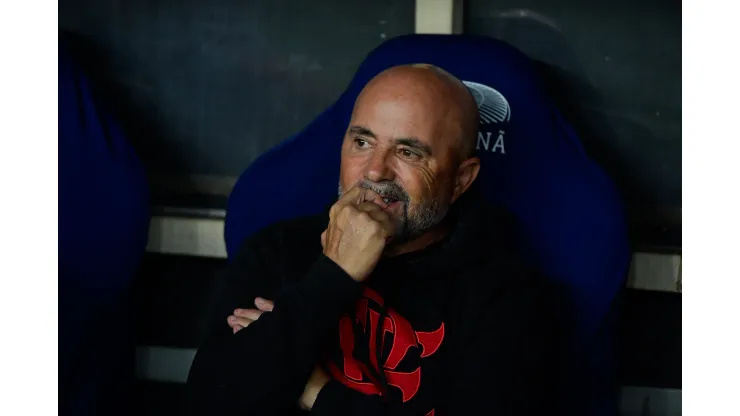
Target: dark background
<point x="615" y="69"/>
<point x="203" y="87"/>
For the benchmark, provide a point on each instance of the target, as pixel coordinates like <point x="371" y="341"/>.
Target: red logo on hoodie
<point x="405" y="339"/>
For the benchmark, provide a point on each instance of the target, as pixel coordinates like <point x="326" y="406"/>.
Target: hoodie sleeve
<point x="502" y="362"/>
<point x="263" y="368"/>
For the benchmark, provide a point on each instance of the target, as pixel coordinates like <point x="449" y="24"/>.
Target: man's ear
<point x="466" y="174"/>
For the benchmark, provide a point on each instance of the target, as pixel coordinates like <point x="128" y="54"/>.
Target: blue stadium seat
<point x="103" y="228"/>
<point x="571" y="219"/>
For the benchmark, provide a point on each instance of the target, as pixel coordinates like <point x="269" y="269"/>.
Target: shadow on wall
<point x="625" y="149"/>
<point x="168" y="135"/>
<point x="204" y="88"/>
<point x="633" y="132"/>
<point x="143" y="126"/>
<point x="151" y="129"/>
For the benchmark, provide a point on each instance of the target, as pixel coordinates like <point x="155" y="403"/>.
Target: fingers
<point x="350" y="197"/>
<point x="368" y="195"/>
<point x="264" y="305"/>
<point x="374" y="218"/>
<point x="370" y="208"/>
<point x="375" y="212"/>
<point x="237" y="322"/>
<point x="375" y="198"/>
<point x="378" y="215"/>
<point x="242" y="318"/>
<point x="253" y="314"/>
<point x="355" y="196"/>
<point x="349" y="212"/>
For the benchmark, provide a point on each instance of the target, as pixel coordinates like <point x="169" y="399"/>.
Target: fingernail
<point x="232" y="318"/>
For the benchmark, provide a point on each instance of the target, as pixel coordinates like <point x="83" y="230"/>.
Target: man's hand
<point x="358" y="232"/>
<point x="316" y="382"/>
<point x="243" y="317"/>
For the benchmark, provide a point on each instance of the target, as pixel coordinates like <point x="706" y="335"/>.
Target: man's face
<point x="401" y="146"/>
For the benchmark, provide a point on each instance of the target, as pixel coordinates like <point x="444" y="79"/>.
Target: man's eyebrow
<point x="361" y="131"/>
<point x="415" y="143"/>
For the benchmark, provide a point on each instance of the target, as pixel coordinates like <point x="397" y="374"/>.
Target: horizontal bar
<point x="649" y="401"/>
<point x="654" y="271"/>
<point x="164" y="364"/>
<point x="201" y="237"/>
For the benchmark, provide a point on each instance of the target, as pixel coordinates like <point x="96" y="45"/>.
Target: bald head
<point x="435" y="92"/>
<point x="412" y="140"/>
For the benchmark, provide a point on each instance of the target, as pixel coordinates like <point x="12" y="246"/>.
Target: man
<point x="404" y="299"/>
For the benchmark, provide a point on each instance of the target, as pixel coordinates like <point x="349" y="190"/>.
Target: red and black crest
<point x="378" y="337"/>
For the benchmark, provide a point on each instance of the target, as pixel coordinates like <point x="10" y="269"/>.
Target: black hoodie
<point x="461" y="327"/>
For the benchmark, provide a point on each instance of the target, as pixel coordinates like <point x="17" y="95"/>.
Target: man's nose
<point x="378" y="167"/>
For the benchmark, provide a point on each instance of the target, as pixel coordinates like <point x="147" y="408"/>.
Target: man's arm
<point x="263" y="368"/>
<point x="503" y="364"/>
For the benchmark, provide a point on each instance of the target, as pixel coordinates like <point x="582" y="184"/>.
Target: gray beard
<point x="411" y="226"/>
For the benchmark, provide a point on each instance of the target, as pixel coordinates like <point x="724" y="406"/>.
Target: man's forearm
<point x="264" y="368"/>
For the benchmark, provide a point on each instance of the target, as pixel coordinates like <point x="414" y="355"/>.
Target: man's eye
<point x="361" y="143"/>
<point x="410" y="154"/>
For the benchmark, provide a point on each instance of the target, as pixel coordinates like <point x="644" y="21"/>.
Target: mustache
<point x="386" y="189"/>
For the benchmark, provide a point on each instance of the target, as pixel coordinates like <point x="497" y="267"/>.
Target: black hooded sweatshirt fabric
<point x="459" y="328"/>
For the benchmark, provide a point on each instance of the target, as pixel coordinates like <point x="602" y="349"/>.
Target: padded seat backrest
<point x="103" y="231"/>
